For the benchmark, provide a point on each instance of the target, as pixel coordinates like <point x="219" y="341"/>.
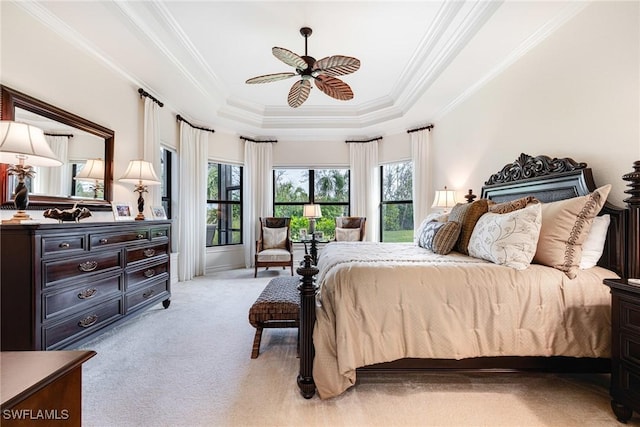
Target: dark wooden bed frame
<point x="548" y="179"/>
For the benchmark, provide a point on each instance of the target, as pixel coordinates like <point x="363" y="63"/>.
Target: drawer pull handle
<point x="88" y="266"/>
<point x="140" y="236"/>
<point x="149" y="273"/>
<point x="64" y="245"/>
<point x="160" y="234"/>
<point x="149" y="252"/>
<point x="88" y="321"/>
<point x="88" y="293"/>
<point x="148" y="294"/>
<point x="103" y="241"/>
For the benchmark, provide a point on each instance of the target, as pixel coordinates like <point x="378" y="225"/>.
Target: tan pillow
<point x="467" y="215"/>
<point x="565" y="225"/>
<point x="512" y="205"/>
<point x="347" y="234"/>
<point x="274" y="238"/>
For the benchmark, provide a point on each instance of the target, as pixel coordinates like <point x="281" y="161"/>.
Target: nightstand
<point x="625" y="348"/>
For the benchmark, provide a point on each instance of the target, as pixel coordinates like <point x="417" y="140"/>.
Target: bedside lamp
<point x="23" y="146"/>
<point x="141" y="174"/>
<point x="93" y="173"/>
<point x="444" y="199"/>
<point x="312" y="212"/>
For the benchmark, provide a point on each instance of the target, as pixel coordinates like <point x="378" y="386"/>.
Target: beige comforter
<point x="380" y="302"/>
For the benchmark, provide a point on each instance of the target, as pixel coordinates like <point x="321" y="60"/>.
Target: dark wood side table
<point x="42" y="387"/>
<point x="625" y="348"/>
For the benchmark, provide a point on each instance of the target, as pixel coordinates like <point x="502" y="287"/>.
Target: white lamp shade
<point x="93" y="171"/>
<point x="23" y="142"/>
<point x="140" y="172"/>
<point x="444" y="199"/>
<point x="312" y="211"/>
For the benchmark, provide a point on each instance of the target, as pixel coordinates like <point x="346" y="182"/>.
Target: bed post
<point x="308" y="291"/>
<point x="633" y="222"/>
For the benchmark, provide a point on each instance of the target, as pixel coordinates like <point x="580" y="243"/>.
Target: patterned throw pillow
<point x="508" y="239"/>
<point x="434" y="216"/>
<point x="467" y="215"/>
<point x="439" y="237"/>
<point x="512" y="205"/>
<point x="274" y="238"/>
<point x="565" y="225"/>
<point x="347" y="234"/>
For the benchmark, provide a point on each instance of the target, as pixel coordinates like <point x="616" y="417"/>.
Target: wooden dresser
<point x="63" y="283"/>
<point x="625" y="349"/>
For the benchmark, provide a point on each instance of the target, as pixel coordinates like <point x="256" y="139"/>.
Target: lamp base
<point x="17" y="218"/>
<point x="140" y="217"/>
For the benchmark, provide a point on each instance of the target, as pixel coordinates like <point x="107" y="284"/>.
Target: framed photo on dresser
<point x="157" y="212"/>
<point x="122" y="211"/>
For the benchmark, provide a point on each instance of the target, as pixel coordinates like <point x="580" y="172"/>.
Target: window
<point x="396" y="207"/>
<point x="294" y="188"/>
<point x="224" y="204"/>
<point x="166" y="156"/>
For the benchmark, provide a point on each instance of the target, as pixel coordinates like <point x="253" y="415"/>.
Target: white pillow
<point x="274" y="238"/>
<point x="593" y="245"/>
<point x="433" y="216"/>
<point x="508" y="239"/>
<point x="347" y="234"/>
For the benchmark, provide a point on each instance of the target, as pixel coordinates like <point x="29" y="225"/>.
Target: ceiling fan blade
<point x="270" y="78"/>
<point x="337" y="65"/>
<point x="289" y="58"/>
<point x="333" y="87"/>
<point x="299" y="93"/>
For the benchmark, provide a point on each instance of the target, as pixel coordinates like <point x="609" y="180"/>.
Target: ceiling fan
<point x="323" y="72"/>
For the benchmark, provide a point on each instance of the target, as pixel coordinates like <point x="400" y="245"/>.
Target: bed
<point x="400" y="306"/>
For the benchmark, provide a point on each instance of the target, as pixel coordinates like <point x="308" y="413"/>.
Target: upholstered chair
<point x="274" y="247"/>
<point x="350" y="228"/>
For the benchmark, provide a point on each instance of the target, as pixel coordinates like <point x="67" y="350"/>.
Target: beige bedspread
<point x="380" y="302"/>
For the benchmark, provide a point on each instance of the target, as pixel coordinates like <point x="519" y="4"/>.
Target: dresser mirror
<point x="82" y="140"/>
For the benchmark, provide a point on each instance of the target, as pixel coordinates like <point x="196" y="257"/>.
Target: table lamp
<point x="23" y="146"/>
<point x="312" y="212"/>
<point x="93" y="173"/>
<point x="444" y="199"/>
<point x="141" y="174"/>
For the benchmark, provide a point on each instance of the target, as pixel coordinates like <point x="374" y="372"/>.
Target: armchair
<point x="350" y="228"/>
<point x="273" y="247"/>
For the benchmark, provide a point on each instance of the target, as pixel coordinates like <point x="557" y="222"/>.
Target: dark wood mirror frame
<point x="12" y="99"/>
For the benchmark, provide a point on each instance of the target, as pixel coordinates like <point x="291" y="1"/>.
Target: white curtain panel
<point x="420" y="154"/>
<point x="55" y="181"/>
<point x="365" y="185"/>
<point x="192" y="208"/>
<point x="152" y="148"/>
<point x="257" y="193"/>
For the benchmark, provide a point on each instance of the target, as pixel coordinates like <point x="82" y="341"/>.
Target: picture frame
<point x="122" y="211"/>
<point x="303" y="233"/>
<point x="158" y="212"/>
<point x="319" y="235"/>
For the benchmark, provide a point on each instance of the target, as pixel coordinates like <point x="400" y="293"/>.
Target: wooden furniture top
<point x="22" y="373"/>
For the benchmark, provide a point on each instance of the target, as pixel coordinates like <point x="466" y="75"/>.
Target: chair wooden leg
<point x="256" y="343"/>
<point x="255" y="273"/>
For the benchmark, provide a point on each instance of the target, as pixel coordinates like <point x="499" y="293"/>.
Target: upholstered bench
<point x="278" y="306"/>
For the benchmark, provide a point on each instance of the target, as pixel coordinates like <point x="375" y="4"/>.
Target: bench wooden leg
<point x="256" y="343"/>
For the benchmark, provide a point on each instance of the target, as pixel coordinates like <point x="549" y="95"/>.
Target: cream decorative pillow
<point x="274" y="238"/>
<point x="593" y="245"/>
<point x="507" y="239"/>
<point x="467" y="215"/>
<point x="347" y="234"/>
<point x="439" y="237"/>
<point x="565" y="225"/>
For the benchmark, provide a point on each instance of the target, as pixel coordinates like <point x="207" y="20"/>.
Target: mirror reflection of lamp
<point x="23" y="146"/>
<point x="444" y="199"/>
<point x="93" y="173"/>
<point x="141" y="174"/>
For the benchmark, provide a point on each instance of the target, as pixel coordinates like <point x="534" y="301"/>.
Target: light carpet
<point x="190" y="365"/>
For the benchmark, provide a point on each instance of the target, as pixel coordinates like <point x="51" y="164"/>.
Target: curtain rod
<point x="254" y="140"/>
<point x="422" y="128"/>
<point x="182" y="119"/>
<point x="378" y="138"/>
<point x="143" y="92"/>
<point x="68" y="135"/>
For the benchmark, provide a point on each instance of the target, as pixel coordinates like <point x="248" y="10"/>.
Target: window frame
<point x="227" y="203"/>
<point x="383" y="203"/>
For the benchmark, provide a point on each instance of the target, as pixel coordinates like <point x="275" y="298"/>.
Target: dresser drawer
<point x="159" y="233"/>
<point x="630" y="314"/>
<point x="157" y="252"/>
<point x="63" y="245"/>
<point x="629" y="383"/>
<point x="102" y="240"/>
<point x="137" y="277"/>
<point x="146" y="293"/>
<point x="55" y="271"/>
<point x="79" y="297"/>
<point x="83" y="323"/>
<point x="630" y="349"/>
